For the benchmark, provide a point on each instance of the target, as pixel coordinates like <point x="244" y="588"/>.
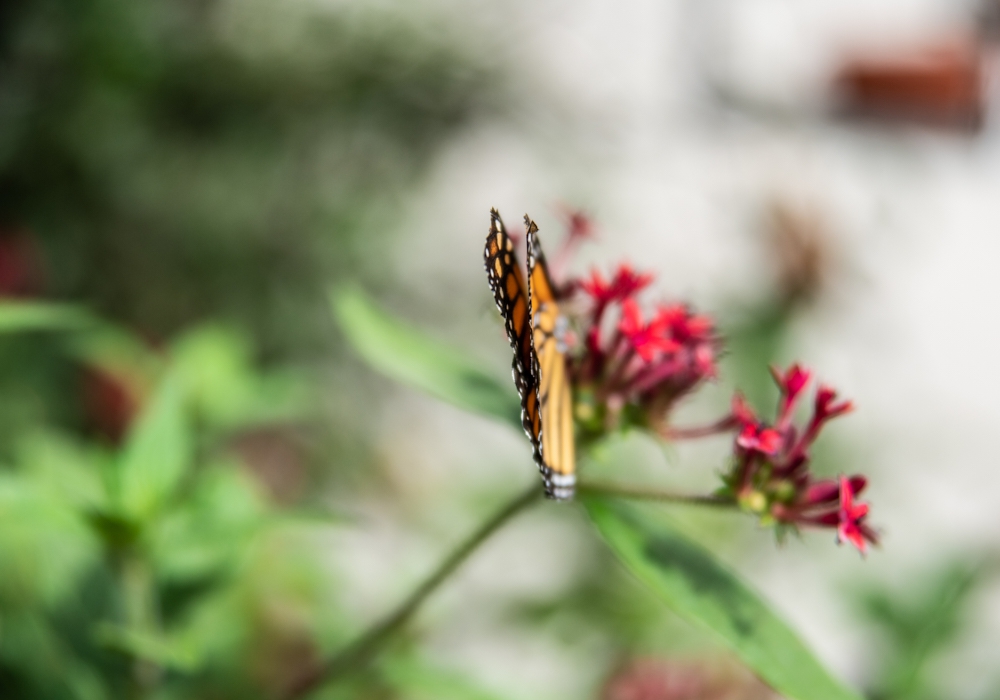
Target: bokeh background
<point x="821" y="177"/>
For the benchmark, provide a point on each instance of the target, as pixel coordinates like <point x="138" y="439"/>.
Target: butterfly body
<point x="535" y="329"/>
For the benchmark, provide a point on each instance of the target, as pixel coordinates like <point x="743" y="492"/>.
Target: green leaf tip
<point x="408" y="355"/>
<point x="156" y="454"/>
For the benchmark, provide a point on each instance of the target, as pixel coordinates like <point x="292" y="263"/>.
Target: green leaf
<point x="45" y="546"/>
<point x="36" y="650"/>
<point x="118" y="352"/>
<point x="64" y="468"/>
<point x="157" y="453"/>
<point x="163" y="650"/>
<point x="409" y="356"/>
<point x="698" y="588"/>
<point x="21" y="316"/>
<point x="211" y="530"/>
<point x="225" y="388"/>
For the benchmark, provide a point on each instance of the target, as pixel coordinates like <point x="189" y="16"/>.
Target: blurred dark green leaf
<point x="21" y="316"/>
<point x="701" y="590"/>
<point x="409" y="356"/>
<point x="157" y="453"/>
<point x="30" y="644"/>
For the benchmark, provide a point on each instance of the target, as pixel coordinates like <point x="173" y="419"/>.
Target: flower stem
<point x="357" y="654"/>
<point x="721" y="426"/>
<point x="604" y="489"/>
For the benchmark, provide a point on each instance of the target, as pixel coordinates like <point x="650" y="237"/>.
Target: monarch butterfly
<point x="535" y="329"/>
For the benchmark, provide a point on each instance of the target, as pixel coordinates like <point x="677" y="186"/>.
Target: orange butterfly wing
<point x="511" y="295"/>
<point x="555" y="399"/>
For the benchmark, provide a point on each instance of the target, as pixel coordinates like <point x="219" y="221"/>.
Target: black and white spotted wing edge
<point x="501" y="267"/>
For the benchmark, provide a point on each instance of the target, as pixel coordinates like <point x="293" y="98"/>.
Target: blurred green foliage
<point x="921" y="624"/>
<point x="166" y="164"/>
<point x="162" y="568"/>
<point x="180" y="159"/>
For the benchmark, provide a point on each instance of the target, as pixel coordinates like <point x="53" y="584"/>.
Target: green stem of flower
<point x="723" y="425"/>
<point x="356" y="655"/>
<point x="638" y="493"/>
<point x="141" y="617"/>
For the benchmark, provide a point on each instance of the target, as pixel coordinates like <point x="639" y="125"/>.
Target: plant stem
<point x="604" y="489"/>
<point x="354" y="656"/>
<point x="141" y="616"/>
<point x="723" y="426"/>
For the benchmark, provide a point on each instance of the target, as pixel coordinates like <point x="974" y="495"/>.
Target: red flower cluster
<point x="771" y="477"/>
<point x="634" y="366"/>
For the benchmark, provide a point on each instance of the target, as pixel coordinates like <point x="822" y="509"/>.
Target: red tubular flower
<point x="622" y="287"/>
<point x="756" y="438"/>
<point x="677" y="322"/>
<point x="828" y="491"/>
<point x="825" y="408"/>
<point x="830" y="503"/>
<point x="645" y="339"/>
<point x="790" y="383"/>
<point x="851" y="526"/>
<point x="683" y="349"/>
<point x="625" y="284"/>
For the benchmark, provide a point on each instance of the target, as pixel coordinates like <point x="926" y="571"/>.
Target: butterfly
<point x="535" y="329"/>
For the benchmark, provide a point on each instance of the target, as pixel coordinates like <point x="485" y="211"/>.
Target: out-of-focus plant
<point x="628" y="372"/>
<point x="160" y="566"/>
<point x="247" y="149"/>
<point x="920" y="624"/>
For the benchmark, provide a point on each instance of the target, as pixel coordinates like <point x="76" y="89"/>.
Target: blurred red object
<point x="665" y="679"/>
<point x="21" y="269"/>
<point x="111" y="400"/>
<point x="939" y="85"/>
